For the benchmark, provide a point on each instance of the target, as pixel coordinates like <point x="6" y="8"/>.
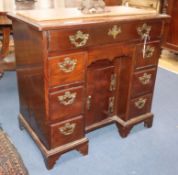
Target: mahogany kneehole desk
<point x="76" y="75"/>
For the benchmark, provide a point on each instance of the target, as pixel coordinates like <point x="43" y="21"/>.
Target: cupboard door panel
<point x="101" y="90"/>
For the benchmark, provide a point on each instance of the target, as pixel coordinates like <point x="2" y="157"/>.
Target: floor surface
<point x="169" y="61"/>
<point x="144" y="152"/>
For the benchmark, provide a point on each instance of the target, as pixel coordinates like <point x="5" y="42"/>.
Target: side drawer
<point x="151" y="57"/>
<point x="66" y="103"/>
<point x="140" y="106"/>
<point x="143" y="82"/>
<point x="67" y="68"/>
<point x="67" y="131"/>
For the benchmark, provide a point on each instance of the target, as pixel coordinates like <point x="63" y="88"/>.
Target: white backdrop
<point x="9" y="5"/>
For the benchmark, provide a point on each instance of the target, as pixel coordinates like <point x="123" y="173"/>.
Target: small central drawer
<point x="67" y="131"/>
<point x="67" y="69"/>
<point x="102" y="33"/>
<point x="66" y="103"/>
<point x="143" y="82"/>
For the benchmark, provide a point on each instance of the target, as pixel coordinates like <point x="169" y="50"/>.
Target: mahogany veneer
<point x="69" y="86"/>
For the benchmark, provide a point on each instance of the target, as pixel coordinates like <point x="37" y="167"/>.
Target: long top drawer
<point x="92" y="35"/>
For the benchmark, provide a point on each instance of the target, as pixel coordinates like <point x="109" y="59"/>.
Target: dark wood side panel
<point x="29" y="47"/>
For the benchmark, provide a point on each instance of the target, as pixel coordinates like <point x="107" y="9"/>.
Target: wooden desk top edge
<point x="54" y="24"/>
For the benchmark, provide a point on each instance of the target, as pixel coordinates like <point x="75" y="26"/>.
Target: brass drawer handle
<point x="89" y="102"/>
<point x="113" y="83"/>
<point x="144" y="30"/>
<point x="67" y="129"/>
<point x="145" y="79"/>
<point x="68" y="65"/>
<point x="79" y="39"/>
<point x="114" y="31"/>
<point x="149" y="51"/>
<point x="68" y="98"/>
<point x="140" y="103"/>
<point x="111" y="105"/>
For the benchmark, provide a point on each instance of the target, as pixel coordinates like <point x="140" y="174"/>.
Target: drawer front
<point x="151" y="56"/>
<point x="139" y="106"/>
<point x="66" y="103"/>
<point x="66" y="131"/>
<point x="90" y="35"/>
<point x="143" y="82"/>
<point x="67" y="68"/>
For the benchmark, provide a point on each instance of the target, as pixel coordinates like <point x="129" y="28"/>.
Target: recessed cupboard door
<point x="102" y="87"/>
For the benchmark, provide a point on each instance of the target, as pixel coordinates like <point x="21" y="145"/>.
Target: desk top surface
<point x="59" y="17"/>
<point x="74" y="13"/>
